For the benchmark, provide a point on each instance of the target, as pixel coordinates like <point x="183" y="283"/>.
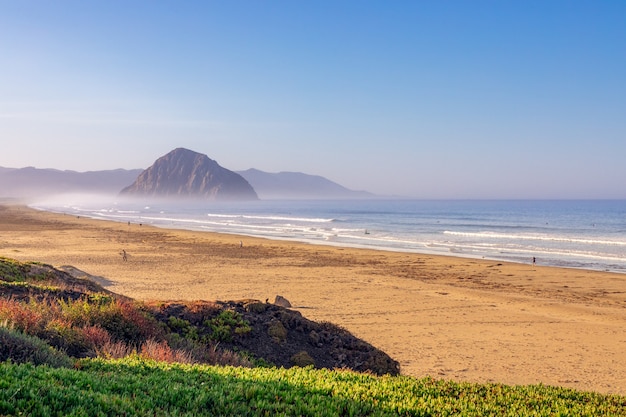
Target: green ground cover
<point x="137" y="387"/>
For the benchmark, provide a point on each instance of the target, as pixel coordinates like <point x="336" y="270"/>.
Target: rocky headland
<point x="187" y="174"/>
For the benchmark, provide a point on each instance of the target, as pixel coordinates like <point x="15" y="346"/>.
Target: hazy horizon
<point x="478" y="100"/>
<point x="32" y="195"/>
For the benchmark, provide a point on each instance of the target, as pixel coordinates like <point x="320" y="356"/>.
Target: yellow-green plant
<point x="133" y="386"/>
<point x="226" y="324"/>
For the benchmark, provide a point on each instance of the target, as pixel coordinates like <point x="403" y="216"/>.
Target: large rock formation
<point x="184" y="173"/>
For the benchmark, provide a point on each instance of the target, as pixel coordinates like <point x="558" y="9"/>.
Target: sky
<point x="426" y="99"/>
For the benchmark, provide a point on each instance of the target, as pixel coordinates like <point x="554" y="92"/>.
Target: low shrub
<point x="302" y="359"/>
<point x="22" y="348"/>
<point x="124" y="321"/>
<point x="64" y="336"/>
<point x="26" y="317"/>
<point x="114" y="350"/>
<point x="161" y="351"/>
<point x="95" y="336"/>
<point x="103" y="326"/>
<point x="277" y="331"/>
<point x="81" y="326"/>
<point x="183" y="327"/>
<point x="226" y="324"/>
<point x="210" y="353"/>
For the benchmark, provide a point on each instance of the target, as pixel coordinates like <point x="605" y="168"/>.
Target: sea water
<point x="588" y="234"/>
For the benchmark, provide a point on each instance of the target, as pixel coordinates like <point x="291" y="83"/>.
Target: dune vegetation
<point x="69" y="347"/>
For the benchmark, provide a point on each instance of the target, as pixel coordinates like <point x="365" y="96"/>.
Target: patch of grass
<point x="16" y="271"/>
<point x="12" y="270"/>
<point x="133" y="386"/>
<point x="27" y="285"/>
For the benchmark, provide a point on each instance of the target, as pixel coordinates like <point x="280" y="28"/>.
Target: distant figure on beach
<point x="534" y="260"/>
<point x="241" y="243"/>
<point x="124" y="257"/>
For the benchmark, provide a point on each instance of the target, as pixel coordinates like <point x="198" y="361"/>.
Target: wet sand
<point x="451" y="318"/>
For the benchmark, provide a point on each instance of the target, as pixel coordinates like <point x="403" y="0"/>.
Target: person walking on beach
<point x="124" y="257"/>
<point x="534" y="260"/>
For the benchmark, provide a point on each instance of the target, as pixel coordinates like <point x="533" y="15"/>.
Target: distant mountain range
<point x="296" y="185"/>
<point x="28" y="183"/>
<point x="179" y="173"/>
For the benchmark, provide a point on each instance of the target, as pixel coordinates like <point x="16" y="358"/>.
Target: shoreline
<point x="504" y="257"/>
<point x="314" y="242"/>
<point x="448" y="317"/>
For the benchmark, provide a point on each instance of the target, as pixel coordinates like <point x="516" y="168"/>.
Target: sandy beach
<point x="451" y="318"/>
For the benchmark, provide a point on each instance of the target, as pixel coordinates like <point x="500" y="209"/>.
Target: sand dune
<point x="451" y="318"/>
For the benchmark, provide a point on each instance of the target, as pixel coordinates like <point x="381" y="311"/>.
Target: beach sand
<point x="446" y="317"/>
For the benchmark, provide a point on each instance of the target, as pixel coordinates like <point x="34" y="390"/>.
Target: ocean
<point x="587" y="234"/>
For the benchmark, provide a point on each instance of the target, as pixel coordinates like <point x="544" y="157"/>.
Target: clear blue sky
<point x="431" y="99"/>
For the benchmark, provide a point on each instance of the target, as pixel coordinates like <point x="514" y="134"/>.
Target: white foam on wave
<point x="498" y="251"/>
<point x="494" y="235"/>
<point x="224" y="216"/>
<point x="344" y="230"/>
<point x="273" y="218"/>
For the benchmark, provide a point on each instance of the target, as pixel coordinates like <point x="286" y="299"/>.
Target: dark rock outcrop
<point x="284" y="337"/>
<point x="188" y="174"/>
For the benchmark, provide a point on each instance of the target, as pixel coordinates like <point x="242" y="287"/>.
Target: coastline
<point x="448" y="317"/>
<point x="567" y="234"/>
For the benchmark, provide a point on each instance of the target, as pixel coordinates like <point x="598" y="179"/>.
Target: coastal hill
<point x="185" y="173"/>
<point x="296" y="185"/>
